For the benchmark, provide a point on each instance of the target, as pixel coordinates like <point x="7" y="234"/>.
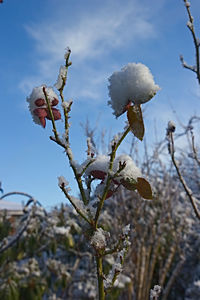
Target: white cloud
<point x="90" y="35"/>
<point x="93" y="34"/>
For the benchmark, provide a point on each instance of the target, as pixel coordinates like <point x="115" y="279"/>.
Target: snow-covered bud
<point x="67" y="53"/>
<point x="38" y="106"/>
<point x="189" y="25"/>
<point x="133" y="83"/>
<point x="67" y="104"/>
<point x="187" y="4"/>
<point x="62" y="182"/>
<point x="98" y="240"/>
<point x="171" y="127"/>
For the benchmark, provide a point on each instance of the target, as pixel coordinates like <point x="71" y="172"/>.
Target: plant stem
<point x="188" y="191"/>
<point x="74" y="205"/>
<point x="100" y="278"/>
<point x="112" y="157"/>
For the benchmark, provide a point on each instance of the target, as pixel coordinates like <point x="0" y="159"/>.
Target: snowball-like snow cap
<point x="133" y="83"/>
<point x="171" y="126"/>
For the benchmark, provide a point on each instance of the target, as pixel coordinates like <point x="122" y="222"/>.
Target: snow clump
<point x="133" y="83"/>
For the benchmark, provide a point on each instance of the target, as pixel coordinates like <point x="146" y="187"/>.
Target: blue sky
<point x="103" y="36"/>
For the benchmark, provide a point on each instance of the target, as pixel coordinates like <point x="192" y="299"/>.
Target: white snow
<point x="101" y="163"/>
<point x="98" y="239"/>
<point x="134" y="83"/>
<point x="62" y="75"/>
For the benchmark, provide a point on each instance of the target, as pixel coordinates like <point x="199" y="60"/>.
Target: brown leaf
<point x="135" y="119"/>
<point x="144" y="188"/>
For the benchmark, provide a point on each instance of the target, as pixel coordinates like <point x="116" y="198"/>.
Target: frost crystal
<point x="62" y="75"/>
<point x="134" y="83"/>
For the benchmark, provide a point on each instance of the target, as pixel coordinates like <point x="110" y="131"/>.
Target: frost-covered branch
<point x="171" y="149"/>
<point x="196" y="40"/>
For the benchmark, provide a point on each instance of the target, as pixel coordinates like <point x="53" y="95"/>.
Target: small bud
<point x="171" y="126"/>
<point x="98" y="240"/>
<point x="62" y="182"/>
<point x="67" y="53"/>
<point x="189" y="25"/>
<point x="187" y="4"/>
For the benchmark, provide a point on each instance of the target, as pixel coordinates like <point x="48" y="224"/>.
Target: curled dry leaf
<point x="144" y="188"/>
<point x="135" y="119"/>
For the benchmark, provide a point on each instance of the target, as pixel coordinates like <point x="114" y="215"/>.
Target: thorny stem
<point x="57" y="139"/>
<point x="186" y="188"/>
<point x="112" y="157"/>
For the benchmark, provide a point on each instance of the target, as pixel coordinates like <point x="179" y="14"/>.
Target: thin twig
<point x="190" y="25"/>
<point x="188" y="191"/>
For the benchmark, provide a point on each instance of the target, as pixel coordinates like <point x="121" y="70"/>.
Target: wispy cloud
<point x="90" y="35"/>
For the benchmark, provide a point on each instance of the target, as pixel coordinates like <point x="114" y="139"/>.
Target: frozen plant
<point x="128" y="89"/>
